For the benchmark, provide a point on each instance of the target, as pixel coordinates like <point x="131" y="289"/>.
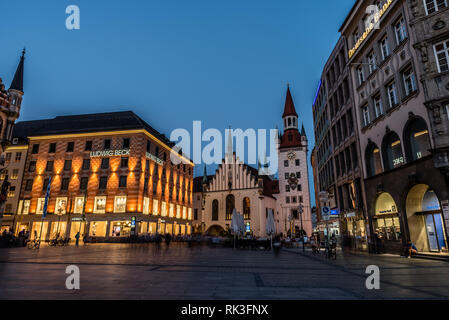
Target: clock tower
<point x="293" y="173"/>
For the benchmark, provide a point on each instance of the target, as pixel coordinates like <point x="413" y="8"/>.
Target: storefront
<point x="425" y="220"/>
<point x="387" y="225"/>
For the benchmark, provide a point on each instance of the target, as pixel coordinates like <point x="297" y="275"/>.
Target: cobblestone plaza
<point x="181" y="273"/>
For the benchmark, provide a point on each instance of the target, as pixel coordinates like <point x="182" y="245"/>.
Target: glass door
<point x="431" y="233"/>
<point x="441" y="234"/>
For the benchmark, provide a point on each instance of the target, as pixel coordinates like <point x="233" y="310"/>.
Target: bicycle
<point x="331" y="252"/>
<point x="33" y="244"/>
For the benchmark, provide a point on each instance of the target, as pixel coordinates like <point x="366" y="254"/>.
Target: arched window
<point x="230" y="205"/>
<point x="392" y="151"/>
<point x="416" y="139"/>
<point x="373" y="160"/>
<point x="289" y="122"/>
<point x="215" y="210"/>
<point x="246" y="208"/>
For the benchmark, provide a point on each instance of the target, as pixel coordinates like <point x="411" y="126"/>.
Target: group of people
<point x="8" y="239"/>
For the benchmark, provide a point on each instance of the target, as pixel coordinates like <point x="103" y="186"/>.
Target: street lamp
<point x="301" y="210"/>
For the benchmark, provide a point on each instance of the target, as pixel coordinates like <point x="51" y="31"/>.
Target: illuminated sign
<point x="109" y="153"/>
<point x="335" y="212"/>
<point x="377" y="17"/>
<point x="155" y="159"/>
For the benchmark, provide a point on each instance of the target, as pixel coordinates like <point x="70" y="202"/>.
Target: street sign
<point x="325" y="213"/>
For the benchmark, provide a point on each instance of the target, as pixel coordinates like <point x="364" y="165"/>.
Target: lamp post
<point x="301" y="210"/>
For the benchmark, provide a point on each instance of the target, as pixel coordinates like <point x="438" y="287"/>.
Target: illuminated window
<point x="100" y="205"/>
<point x="79" y="205"/>
<point x="155" y="207"/>
<point x="246" y="208"/>
<point x="230" y="206"/>
<point x="442" y="55"/>
<point x="417" y="142"/>
<point x="120" y="204"/>
<point x="190" y="214"/>
<point x="178" y="212"/>
<point x="61" y="206"/>
<point x="164" y="209"/>
<point x="40" y="206"/>
<point x="26" y="206"/>
<point x="15" y="174"/>
<point x="11" y="192"/>
<point x="392" y="151"/>
<point x="171" y="211"/>
<point x="18" y="156"/>
<point x="8" y="157"/>
<point x="184" y="213"/>
<point x="146" y="205"/>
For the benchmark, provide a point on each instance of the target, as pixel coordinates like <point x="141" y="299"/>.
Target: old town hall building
<point x="253" y="194"/>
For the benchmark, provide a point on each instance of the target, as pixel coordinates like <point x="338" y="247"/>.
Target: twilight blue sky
<point x="223" y="62"/>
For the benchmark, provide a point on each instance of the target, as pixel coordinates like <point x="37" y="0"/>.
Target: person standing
<point x="77" y="237"/>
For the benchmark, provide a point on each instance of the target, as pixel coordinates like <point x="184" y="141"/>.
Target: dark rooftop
<point x="86" y="123"/>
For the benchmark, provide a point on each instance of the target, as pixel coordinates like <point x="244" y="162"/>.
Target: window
<point x="32" y="166"/>
<point x="145" y="184"/>
<point x="29" y="185"/>
<point x="126" y="143"/>
<point x="100" y="205"/>
<point x="287" y="176"/>
<point x="215" y="210"/>
<point x="52" y="148"/>
<point x="298" y="175"/>
<point x="294" y="199"/>
<point x="195" y="214"/>
<point x="392" y="151"/>
<point x="67" y="165"/>
<point x="373" y="160"/>
<point x="287" y="188"/>
<point x="103" y="183"/>
<point x="45" y="185"/>
<point x="49" y="167"/>
<point x="15" y="174"/>
<point x="83" y="183"/>
<point x="8" y="157"/>
<point x="230" y="206"/>
<point x="122" y="181"/>
<point x="400" y="31"/>
<point x="416" y="139"/>
<point x="246" y="208"/>
<point x="286" y="163"/>
<point x="26" y="206"/>
<point x="148" y="146"/>
<point x="86" y="164"/>
<point x="299" y="187"/>
<point x="297" y="162"/>
<point x="35" y="149"/>
<point x="442" y="55"/>
<point x="120" y="204"/>
<point x="409" y="82"/>
<point x="65" y="184"/>
<point x="365" y="114"/>
<point x="105" y="163"/>
<point x="70" y="146"/>
<point x="434" y="5"/>
<point x="384" y="48"/>
<point x="79" y="205"/>
<point x="124" y="163"/>
<point x="378" y="108"/>
<point x="287" y="200"/>
<point x="360" y="75"/>
<point x="392" y="95"/>
<point x="372" y="63"/>
<point x="355" y="37"/>
<point x="18" y="156"/>
<point x="11" y="192"/>
<point x="40" y="206"/>
<point x="107" y="144"/>
<point x="88" y="146"/>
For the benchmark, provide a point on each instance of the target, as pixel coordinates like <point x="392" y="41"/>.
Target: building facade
<point x="109" y="174"/>
<point x="252" y="192"/>
<point x="404" y="191"/>
<point x="293" y="172"/>
<point x="338" y="164"/>
<point x="10" y="104"/>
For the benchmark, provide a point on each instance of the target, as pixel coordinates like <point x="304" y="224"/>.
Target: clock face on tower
<point x="291" y="155"/>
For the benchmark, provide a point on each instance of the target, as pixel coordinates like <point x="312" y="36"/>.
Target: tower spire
<point x="17" y="82"/>
<point x="289" y="109"/>
<point x="229" y="148"/>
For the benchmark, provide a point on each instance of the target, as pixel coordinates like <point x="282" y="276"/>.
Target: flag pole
<point x="44" y="213"/>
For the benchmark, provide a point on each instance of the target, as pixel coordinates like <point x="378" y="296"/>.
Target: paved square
<point x="147" y="272"/>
